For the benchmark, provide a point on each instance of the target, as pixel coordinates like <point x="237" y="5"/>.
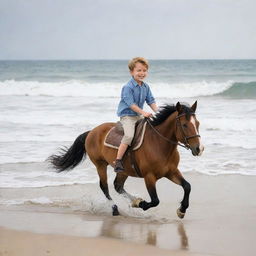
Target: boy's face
<point x="139" y="72"/>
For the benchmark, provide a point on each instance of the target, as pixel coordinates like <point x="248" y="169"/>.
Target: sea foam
<point x="78" y="88"/>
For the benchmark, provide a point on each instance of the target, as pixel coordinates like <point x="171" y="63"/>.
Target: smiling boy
<point x="130" y="109"/>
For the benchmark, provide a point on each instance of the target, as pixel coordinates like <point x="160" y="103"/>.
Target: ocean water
<point x="46" y="104"/>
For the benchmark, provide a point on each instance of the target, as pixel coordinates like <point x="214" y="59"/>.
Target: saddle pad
<point x="116" y="133"/>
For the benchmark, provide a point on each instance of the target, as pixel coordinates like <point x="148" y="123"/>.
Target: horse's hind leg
<point x="177" y="178"/>
<point x="102" y="172"/>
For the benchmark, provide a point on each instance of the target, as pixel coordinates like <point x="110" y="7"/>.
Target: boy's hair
<point x="133" y="62"/>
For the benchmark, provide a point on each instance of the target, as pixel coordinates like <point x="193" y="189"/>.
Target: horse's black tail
<point x="69" y="158"/>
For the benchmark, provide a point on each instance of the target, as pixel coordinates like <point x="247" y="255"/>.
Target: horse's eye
<point x="185" y="126"/>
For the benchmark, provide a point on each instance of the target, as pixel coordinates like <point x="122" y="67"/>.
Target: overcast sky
<point x="119" y="29"/>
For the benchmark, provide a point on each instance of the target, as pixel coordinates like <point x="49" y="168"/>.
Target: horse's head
<point x="187" y="128"/>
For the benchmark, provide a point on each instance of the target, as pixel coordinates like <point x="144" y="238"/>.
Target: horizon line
<point x="124" y="59"/>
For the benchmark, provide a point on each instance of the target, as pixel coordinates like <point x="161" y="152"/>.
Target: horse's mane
<point x="168" y="109"/>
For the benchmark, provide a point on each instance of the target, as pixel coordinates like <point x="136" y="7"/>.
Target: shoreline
<point x="221" y="219"/>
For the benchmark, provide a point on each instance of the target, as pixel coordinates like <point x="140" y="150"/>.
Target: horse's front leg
<point x="102" y="172"/>
<point x="177" y="178"/>
<point x="150" y="181"/>
<point x="119" y="186"/>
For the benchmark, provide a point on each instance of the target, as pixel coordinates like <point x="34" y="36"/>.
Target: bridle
<point x="178" y="123"/>
<point x="185" y="138"/>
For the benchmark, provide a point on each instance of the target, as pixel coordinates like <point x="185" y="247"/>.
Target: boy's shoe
<point x="118" y="166"/>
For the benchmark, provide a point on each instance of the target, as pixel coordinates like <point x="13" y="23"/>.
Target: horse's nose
<point x="196" y="150"/>
<point x="200" y="150"/>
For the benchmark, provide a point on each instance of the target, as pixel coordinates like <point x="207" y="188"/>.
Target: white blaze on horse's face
<point x="195" y="123"/>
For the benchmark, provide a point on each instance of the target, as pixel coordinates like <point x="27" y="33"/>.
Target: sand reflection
<point x="183" y="236"/>
<point x="169" y="235"/>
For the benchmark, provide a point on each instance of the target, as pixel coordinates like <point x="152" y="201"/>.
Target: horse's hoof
<point x="115" y="211"/>
<point x="180" y="214"/>
<point x="136" y="202"/>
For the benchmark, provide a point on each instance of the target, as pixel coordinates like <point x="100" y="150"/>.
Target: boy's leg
<point x="121" y="150"/>
<point x="129" y="128"/>
<point x="120" y="153"/>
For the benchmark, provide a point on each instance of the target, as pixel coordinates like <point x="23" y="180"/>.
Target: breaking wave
<point x="241" y="91"/>
<point x="77" y="88"/>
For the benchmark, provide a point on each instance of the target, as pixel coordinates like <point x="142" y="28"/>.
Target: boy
<point x="130" y="108"/>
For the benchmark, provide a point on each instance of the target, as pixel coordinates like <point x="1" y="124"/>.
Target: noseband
<point x="185" y="138"/>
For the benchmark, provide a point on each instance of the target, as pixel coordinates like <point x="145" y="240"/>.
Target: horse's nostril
<point x="197" y="149"/>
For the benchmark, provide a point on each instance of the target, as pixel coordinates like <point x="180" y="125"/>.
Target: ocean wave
<point x="36" y="201"/>
<point x="39" y="174"/>
<point x="230" y="124"/>
<point x="241" y="90"/>
<point x="71" y="88"/>
<point x="79" y="88"/>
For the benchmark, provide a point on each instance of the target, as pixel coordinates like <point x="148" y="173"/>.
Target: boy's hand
<point x="137" y="109"/>
<point x="147" y="114"/>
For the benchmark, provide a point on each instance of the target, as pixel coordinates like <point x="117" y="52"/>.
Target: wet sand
<point x="27" y="243"/>
<point x="221" y="220"/>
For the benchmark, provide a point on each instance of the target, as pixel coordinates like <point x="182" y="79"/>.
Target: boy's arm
<point x="138" y="110"/>
<point x="154" y="107"/>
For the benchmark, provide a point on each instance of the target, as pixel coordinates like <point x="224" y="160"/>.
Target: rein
<point x="186" y="138"/>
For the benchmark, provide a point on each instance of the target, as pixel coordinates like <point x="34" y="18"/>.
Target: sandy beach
<point x="221" y="220"/>
<point x="66" y="68"/>
<point x="27" y="243"/>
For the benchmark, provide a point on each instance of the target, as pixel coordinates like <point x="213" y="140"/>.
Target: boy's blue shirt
<point x="133" y="93"/>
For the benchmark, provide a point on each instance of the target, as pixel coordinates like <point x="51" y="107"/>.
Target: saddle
<point x="116" y="133"/>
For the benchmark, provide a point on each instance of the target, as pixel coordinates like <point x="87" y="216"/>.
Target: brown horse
<point x="156" y="158"/>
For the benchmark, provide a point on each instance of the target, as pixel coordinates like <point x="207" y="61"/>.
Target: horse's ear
<point x="178" y="107"/>
<point x="194" y="106"/>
